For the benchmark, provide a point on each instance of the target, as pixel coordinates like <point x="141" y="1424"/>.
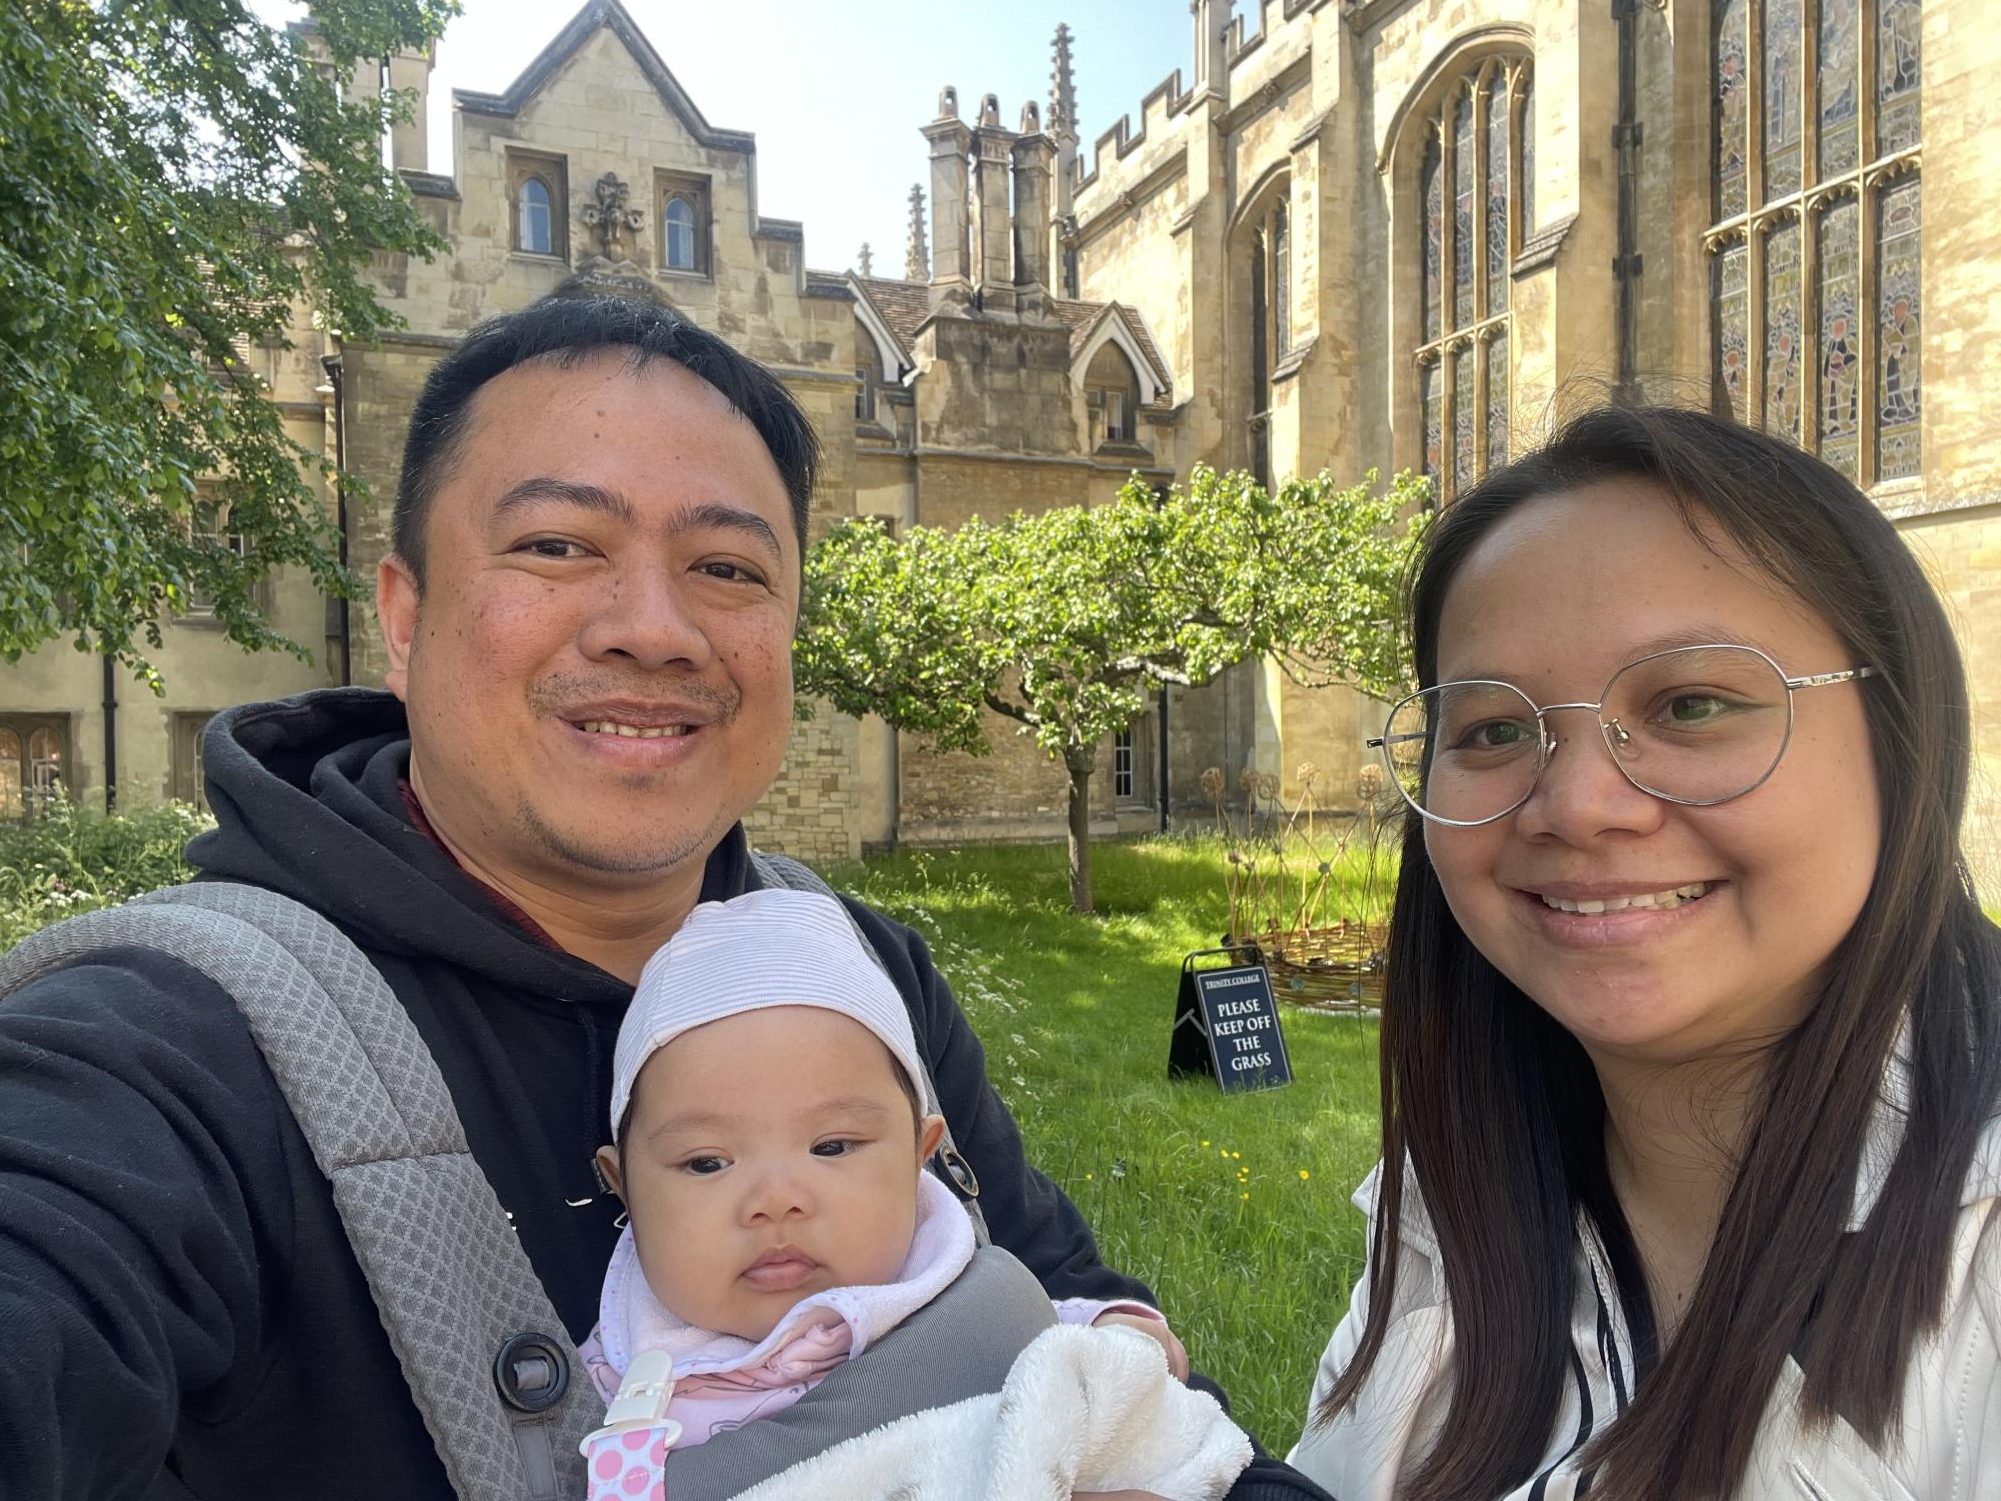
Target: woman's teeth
<point x="631" y="731"/>
<point x="1674" y="898"/>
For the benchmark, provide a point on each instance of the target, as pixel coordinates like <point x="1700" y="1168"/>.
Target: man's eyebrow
<point x="545" y="488"/>
<point x="713" y="515"/>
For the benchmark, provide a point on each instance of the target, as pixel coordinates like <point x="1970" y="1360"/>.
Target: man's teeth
<point x="632" y="731"/>
<point x="1672" y="898"/>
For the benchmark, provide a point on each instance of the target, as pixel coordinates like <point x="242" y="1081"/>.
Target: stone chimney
<point x="1212" y="47"/>
<point x="916" y="259"/>
<point x="409" y="148"/>
<point x="951" y="268"/>
<point x="1032" y="152"/>
<point x="993" y="223"/>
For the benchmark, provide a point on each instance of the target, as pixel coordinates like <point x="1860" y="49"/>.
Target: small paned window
<point x="1815" y="298"/>
<point x="1474" y="182"/>
<point x="1122" y="764"/>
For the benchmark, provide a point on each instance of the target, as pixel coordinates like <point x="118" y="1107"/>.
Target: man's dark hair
<point x="567" y="328"/>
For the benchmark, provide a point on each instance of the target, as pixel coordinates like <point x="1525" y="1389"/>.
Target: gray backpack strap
<point x="792" y="875"/>
<point x="961" y="1344"/>
<point x="501" y="1389"/>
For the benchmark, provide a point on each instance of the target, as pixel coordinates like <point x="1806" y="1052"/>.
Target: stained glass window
<point x="1840" y="84"/>
<point x="1430" y="382"/>
<point x="1838" y="390"/>
<point x="1782" y="330"/>
<point x="1497" y="400"/>
<point x="1783" y="85"/>
<point x="1898" y="393"/>
<point x="1473" y="182"/>
<point x="1281" y="281"/>
<point x="1731" y="270"/>
<point x="1897" y="75"/>
<point x="1465" y="172"/>
<point x="1814" y="298"/>
<point x="1732" y="101"/>
<point x="1526" y="115"/>
<point x="1497" y="196"/>
<point x="1434" y="238"/>
<point x="1464" y="412"/>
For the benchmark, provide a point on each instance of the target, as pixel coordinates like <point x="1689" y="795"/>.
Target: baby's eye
<point x="839" y="1147"/>
<point x="702" y="1167"/>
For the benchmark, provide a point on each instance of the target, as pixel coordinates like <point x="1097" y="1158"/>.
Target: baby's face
<point x="770" y="1156"/>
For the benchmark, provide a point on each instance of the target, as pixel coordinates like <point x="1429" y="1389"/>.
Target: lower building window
<point x="1122" y="763"/>
<point x="34" y="750"/>
<point x="190" y="784"/>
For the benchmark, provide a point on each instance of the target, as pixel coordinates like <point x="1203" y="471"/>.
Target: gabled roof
<point x="902" y="306"/>
<point x="583" y="26"/>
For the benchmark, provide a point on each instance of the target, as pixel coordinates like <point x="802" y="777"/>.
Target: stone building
<point x="1415" y="233"/>
<point x="1349" y="234"/>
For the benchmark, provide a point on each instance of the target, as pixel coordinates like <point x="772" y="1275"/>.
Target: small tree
<point x="176" y="176"/>
<point x="1065" y="621"/>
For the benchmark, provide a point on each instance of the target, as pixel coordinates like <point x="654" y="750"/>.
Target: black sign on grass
<point x="1226" y="1026"/>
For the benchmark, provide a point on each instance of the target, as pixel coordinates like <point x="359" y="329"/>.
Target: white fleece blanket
<point x="1083" y="1410"/>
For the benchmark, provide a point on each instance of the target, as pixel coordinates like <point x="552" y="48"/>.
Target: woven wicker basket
<point x="1338" y="967"/>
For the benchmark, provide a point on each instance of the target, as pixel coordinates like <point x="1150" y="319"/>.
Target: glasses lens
<point x="1464" y="751"/>
<point x="1699" y="725"/>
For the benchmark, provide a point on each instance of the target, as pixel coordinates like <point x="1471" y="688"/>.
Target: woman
<point x="1692" y="1042"/>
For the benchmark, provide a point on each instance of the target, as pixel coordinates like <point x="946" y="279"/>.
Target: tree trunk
<point x="1077" y="760"/>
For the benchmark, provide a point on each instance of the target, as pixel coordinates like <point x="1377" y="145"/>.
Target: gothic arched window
<point x="1815" y="217"/>
<point x="536" y="235"/>
<point x="1475" y="198"/>
<point x="1269" y="249"/>
<point x="679" y="234"/>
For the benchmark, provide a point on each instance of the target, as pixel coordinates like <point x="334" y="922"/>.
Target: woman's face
<point x="1557" y="598"/>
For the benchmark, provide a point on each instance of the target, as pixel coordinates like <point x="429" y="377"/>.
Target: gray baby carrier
<point x="498" y="1381"/>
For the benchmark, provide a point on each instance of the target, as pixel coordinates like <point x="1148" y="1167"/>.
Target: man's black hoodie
<point x="180" y="1315"/>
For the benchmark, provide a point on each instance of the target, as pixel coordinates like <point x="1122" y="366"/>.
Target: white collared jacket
<point x="1950" y="1447"/>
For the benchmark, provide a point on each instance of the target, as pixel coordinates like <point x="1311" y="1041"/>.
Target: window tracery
<point x="1815" y="296"/>
<point x="1476" y="208"/>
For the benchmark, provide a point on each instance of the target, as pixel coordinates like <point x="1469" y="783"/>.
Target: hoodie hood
<point x="308" y="799"/>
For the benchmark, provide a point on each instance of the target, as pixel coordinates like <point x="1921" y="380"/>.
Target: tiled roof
<point x="904" y="305"/>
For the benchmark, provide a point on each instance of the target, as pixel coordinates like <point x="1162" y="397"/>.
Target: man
<point x="588" y="614"/>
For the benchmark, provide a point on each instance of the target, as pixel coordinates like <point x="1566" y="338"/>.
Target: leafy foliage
<point x="74" y="859"/>
<point x="176" y="177"/>
<point x="1065" y="621"/>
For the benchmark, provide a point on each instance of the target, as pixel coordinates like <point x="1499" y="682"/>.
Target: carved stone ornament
<point x="612" y="218"/>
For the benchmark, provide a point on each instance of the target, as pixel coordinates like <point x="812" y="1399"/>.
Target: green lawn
<point x="1234" y="1209"/>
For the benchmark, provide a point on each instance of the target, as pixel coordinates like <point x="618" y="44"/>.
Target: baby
<point x="769" y="1141"/>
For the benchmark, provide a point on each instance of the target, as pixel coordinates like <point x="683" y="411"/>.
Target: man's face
<point x="598" y="667"/>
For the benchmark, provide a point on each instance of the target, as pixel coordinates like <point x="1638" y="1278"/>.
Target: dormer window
<point x="1111" y="397"/>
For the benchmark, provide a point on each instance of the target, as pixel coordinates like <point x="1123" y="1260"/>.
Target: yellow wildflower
<point x="1304" y="1175"/>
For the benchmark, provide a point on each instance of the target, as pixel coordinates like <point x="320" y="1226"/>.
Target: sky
<point x="835" y="90"/>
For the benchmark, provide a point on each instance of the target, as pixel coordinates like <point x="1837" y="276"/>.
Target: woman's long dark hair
<point x="1499" y="1114"/>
